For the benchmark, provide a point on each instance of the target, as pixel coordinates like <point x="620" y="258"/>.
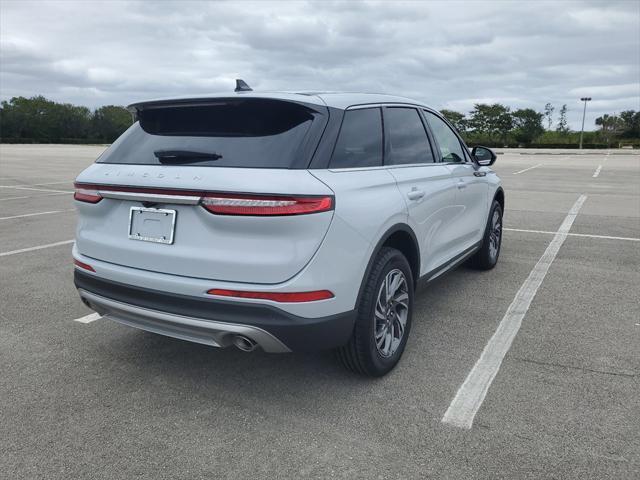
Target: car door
<point x="425" y="184"/>
<point x="471" y="202"/>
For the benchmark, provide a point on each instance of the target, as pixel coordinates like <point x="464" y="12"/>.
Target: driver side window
<point x="448" y="142"/>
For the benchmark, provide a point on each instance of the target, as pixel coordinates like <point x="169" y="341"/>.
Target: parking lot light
<point x="584" y="112"/>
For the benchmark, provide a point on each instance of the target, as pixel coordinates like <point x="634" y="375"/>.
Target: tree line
<point x="38" y="120"/>
<point x="497" y="125"/>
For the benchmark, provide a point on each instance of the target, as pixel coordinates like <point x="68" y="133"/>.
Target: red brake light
<point x="239" y="204"/>
<point x="86" y="193"/>
<point x="83" y="265"/>
<point x="219" y="203"/>
<point x="291" y="297"/>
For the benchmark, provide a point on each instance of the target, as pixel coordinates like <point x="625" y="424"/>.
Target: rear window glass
<point x="360" y="141"/>
<point x="237" y="133"/>
<point x="407" y="138"/>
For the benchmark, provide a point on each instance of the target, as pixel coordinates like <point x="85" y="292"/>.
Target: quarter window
<point x="448" y="142"/>
<point x="407" y="140"/>
<point x="360" y="141"/>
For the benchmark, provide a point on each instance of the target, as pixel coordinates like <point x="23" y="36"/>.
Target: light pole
<point x="584" y="112"/>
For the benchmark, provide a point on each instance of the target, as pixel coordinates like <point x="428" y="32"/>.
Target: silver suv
<point x="286" y="221"/>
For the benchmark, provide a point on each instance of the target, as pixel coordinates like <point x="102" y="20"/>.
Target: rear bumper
<point x="212" y="321"/>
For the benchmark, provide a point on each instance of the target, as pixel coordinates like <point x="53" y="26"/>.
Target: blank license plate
<point x="152" y="224"/>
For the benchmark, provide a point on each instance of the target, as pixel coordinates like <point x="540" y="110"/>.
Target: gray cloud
<point x="448" y="54"/>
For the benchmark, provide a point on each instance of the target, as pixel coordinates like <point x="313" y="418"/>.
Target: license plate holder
<point x="155" y="225"/>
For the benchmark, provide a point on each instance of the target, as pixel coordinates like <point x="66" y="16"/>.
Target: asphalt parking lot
<point x="100" y="400"/>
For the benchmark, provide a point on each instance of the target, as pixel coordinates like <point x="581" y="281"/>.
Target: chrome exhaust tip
<point x="244" y="343"/>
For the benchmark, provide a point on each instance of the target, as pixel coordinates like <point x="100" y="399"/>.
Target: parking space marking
<point x="36" y="184"/>
<point x="527" y="169"/>
<point x="471" y="394"/>
<point x="34" y="196"/>
<point x="588" y="235"/>
<point x="31" y="249"/>
<point x="92" y="317"/>
<point x="36" y="214"/>
<point x="597" y="172"/>
<point x="42" y="189"/>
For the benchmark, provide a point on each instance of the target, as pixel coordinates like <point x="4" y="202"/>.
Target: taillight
<point x="218" y="203"/>
<point x="290" y="297"/>
<point x="239" y="204"/>
<point x="83" y="265"/>
<point x="86" y="193"/>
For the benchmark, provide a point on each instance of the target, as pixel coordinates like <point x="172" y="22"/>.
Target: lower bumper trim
<point x="208" y="332"/>
<point x="294" y="332"/>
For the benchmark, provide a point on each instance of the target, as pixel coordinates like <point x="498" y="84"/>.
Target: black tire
<point x="362" y="354"/>
<point x="487" y="257"/>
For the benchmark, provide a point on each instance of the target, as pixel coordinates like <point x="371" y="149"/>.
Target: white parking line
<point x="588" y="235"/>
<point x="34" y="196"/>
<point x="42" y="189"/>
<point x="36" y="214"/>
<point x="471" y="394"/>
<point x="597" y="172"/>
<point x="527" y="169"/>
<point x="31" y="249"/>
<point x="92" y="317"/>
<point x="36" y="184"/>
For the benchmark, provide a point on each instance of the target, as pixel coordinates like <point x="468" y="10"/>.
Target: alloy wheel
<point x="495" y="235"/>
<point x="391" y="313"/>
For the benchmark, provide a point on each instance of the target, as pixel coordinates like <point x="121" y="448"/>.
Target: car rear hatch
<point x="216" y="190"/>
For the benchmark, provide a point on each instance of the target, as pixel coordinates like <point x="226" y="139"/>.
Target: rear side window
<point x="449" y="143"/>
<point x="360" y="141"/>
<point x="407" y="140"/>
<point x="256" y="133"/>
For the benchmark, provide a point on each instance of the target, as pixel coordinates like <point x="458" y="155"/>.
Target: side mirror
<point x="484" y="156"/>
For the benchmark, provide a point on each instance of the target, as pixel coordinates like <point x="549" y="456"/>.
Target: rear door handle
<point x="415" y="194"/>
<point x="462" y="185"/>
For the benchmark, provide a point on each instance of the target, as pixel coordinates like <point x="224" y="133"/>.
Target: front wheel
<point x="384" y="317"/>
<point x="487" y="257"/>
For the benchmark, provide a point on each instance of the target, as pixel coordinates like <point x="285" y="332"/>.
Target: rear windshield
<point x="253" y="133"/>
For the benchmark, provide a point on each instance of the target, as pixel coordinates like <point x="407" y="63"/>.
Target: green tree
<point x="528" y="125"/>
<point x="562" y="121"/>
<point x="610" y="127"/>
<point x="457" y="119"/>
<point x="73" y="121"/>
<point x="109" y="122"/>
<point x="630" y="120"/>
<point x="493" y="121"/>
<point x="42" y="120"/>
<point x="548" y="113"/>
<point x="26" y="117"/>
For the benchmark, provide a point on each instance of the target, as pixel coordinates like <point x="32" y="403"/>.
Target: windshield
<point x="255" y="133"/>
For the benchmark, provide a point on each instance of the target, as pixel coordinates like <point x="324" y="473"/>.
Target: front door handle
<point x="415" y="194"/>
<point x="480" y="174"/>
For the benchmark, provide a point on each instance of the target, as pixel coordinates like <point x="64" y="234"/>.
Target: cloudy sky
<point x="448" y="54"/>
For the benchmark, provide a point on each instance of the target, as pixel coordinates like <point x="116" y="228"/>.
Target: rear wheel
<point x="384" y="317"/>
<point x="487" y="257"/>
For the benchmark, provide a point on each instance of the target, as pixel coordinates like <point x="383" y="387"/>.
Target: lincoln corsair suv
<point x="285" y="221"/>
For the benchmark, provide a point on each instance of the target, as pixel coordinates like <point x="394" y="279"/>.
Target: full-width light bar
<point x="220" y="203"/>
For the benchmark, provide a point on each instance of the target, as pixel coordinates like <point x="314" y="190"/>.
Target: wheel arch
<point x="499" y="197"/>
<point x="401" y="237"/>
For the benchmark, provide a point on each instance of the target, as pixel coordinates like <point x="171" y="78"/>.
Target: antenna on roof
<point x="241" y="86"/>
